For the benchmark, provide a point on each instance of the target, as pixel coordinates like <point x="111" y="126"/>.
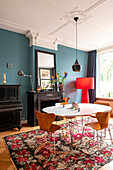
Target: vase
<point x="61" y="85"/>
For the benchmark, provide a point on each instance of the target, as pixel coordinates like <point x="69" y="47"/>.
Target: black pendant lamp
<point x="76" y="67"/>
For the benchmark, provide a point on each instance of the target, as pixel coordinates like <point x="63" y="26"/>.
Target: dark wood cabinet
<point x="39" y="100"/>
<point x="10" y="107"/>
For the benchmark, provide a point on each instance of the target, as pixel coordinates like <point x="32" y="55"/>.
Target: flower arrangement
<point x="59" y="78"/>
<point x="52" y="81"/>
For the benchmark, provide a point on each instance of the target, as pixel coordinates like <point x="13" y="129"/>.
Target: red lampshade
<point x="85" y="83"/>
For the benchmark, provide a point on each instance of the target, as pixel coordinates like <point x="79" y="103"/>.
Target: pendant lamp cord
<point x="76" y="39"/>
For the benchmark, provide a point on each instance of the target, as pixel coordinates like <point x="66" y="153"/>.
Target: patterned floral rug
<point x="32" y="151"/>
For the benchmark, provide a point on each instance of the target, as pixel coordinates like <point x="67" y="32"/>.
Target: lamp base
<point x="85" y="96"/>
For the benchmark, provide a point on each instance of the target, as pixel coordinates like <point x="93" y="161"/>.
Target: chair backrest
<point x="45" y="120"/>
<point x="103" y="119"/>
<point x="66" y="99"/>
<point x="107" y="104"/>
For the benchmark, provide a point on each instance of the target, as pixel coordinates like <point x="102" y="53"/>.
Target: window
<point x="105" y="74"/>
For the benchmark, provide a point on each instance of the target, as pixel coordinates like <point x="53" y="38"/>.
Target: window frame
<point x="107" y="50"/>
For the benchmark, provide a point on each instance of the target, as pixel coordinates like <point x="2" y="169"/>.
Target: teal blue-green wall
<point x="65" y="58"/>
<point x="14" y="48"/>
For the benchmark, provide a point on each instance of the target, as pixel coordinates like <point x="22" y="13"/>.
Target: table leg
<point x="82" y="121"/>
<point x="71" y="147"/>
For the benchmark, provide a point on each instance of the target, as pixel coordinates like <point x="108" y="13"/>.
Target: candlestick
<point x="4" y="79"/>
<point x="4" y="76"/>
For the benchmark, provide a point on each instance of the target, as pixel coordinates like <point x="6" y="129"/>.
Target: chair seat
<point x="94" y="125"/>
<point x="54" y="127"/>
<point x="64" y="103"/>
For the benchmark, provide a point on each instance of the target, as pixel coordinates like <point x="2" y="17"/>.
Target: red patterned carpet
<point x="30" y="150"/>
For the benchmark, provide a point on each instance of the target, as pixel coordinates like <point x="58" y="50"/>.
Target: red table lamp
<point x="85" y="83"/>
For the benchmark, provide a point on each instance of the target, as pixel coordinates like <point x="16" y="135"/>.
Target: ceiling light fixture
<point x="76" y="67"/>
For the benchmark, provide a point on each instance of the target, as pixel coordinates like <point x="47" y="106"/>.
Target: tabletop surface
<point x="85" y="109"/>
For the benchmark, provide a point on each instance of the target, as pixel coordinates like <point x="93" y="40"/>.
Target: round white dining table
<point x="68" y="111"/>
<point x="84" y="109"/>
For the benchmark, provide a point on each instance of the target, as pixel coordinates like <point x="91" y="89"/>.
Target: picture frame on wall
<point x="45" y="74"/>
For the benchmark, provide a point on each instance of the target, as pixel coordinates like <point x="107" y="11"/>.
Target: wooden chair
<point x="102" y="123"/>
<point x="92" y="116"/>
<point x="66" y="99"/>
<point x="102" y="103"/>
<point x="106" y="104"/>
<point x="45" y="122"/>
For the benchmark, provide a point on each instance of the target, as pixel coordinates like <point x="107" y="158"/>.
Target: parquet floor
<point x="5" y="161"/>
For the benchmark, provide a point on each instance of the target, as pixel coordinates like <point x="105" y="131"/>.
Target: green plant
<point x="60" y="78"/>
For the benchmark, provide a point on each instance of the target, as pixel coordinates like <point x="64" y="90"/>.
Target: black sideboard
<point x="39" y="100"/>
<point x="10" y="107"/>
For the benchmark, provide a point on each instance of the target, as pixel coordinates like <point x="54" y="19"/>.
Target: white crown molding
<point x="46" y="41"/>
<point x="12" y="26"/>
<point x="36" y="38"/>
<point x="8" y="25"/>
<point x="33" y="37"/>
<point x="42" y="40"/>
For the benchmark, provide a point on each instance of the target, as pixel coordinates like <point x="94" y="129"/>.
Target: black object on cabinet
<point x="39" y="100"/>
<point x="10" y="107"/>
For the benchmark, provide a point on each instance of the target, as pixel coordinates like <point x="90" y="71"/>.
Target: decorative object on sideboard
<point x="59" y="79"/>
<point x="61" y="86"/>
<point x="4" y="79"/>
<point x="21" y="73"/>
<point x="85" y="83"/>
<point x="75" y="105"/>
<point x="76" y="67"/>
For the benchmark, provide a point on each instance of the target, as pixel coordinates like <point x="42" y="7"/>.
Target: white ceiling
<point x="54" y="19"/>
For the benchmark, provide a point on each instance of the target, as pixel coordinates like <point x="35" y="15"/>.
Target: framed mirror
<point x="45" y="68"/>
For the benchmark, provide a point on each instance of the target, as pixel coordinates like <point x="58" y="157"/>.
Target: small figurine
<point x="75" y="105"/>
<point x="4" y="79"/>
<point x="38" y="89"/>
